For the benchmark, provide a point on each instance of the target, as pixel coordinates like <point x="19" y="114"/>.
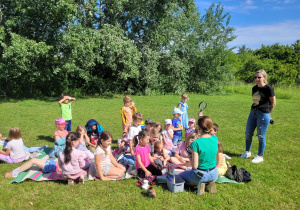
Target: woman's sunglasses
<point x="257" y="77"/>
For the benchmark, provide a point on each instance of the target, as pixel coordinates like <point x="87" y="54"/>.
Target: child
<point x="183" y="153"/>
<point x="144" y="161"/>
<point x="176" y="126"/>
<point x="71" y="160"/>
<point x="83" y="139"/>
<point x="214" y="131"/>
<point x="47" y="166"/>
<point x="60" y="132"/>
<point x="134" y="130"/>
<point x="106" y="165"/>
<point x="167" y="134"/>
<point x="126" y="113"/>
<point x="161" y="153"/>
<point x="191" y="128"/>
<point x="158" y="127"/>
<point x="14" y="149"/>
<point x="149" y="124"/>
<point x="183" y="107"/>
<point x="221" y="164"/>
<point x="65" y="103"/>
<point x="94" y="130"/>
<point x="154" y="134"/>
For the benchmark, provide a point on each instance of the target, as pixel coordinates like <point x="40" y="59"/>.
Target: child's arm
<point x="177" y="129"/>
<point x="220" y="156"/>
<point x="138" y="159"/>
<point x="179" y="106"/>
<point x="152" y="161"/>
<point x="165" y="140"/>
<point x="170" y="132"/>
<point x="131" y="147"/>
<point x="98" y="168"/>
<point x="114" y="162"/>
<point x="88" y="141"/>
<point x="72" y="99"/>
<point x="62" y="100"/>
<point x="179" y="157"/>
<point x="6" y="152"/>
<point x="56" y="138"/>
<point x="133" y="107"/>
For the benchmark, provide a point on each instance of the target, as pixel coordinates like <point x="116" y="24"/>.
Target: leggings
<point x="151" y="168"/>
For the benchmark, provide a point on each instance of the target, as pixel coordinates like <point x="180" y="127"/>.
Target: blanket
<point x="34" y="173"/>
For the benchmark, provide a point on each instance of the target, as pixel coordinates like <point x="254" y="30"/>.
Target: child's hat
<point x="168" y="122"/>
<point x="60" y="121"/>
<point x="192" y="120"/>
<point x="177" y="111"/>
<point x="149" y="121"/>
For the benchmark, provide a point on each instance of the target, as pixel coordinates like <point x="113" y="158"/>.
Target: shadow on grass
<point x="232" y="154"/>
<point x="47" y="138"/>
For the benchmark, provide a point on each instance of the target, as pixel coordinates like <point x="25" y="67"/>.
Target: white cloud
<point x="254" y="36"/>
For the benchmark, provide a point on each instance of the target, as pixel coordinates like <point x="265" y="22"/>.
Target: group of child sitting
<point x="149" y="149"/>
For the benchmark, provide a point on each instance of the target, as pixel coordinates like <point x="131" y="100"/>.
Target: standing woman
<point x="264" y="101"/>
<point x="204" y="161"/>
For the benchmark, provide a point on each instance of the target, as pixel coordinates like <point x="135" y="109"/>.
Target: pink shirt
<point x="75" y="165"/>
<point x="61" y="134"/>
<point x="143" y="152"/>
<point x="181" y="150"/>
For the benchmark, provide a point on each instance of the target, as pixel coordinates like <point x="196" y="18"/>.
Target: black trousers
<point x="151" y="168"/>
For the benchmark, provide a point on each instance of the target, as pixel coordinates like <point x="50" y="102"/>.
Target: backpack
<point x="238" y="174"/>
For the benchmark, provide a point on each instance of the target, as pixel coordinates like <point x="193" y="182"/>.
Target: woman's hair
<point x="79" y="128"/>
<point x="141" y="135"/>
<point x="185" y="96"/>
<point x="105" y="135"/>
<point x="14" y="133"/>
<point x="215" y="127"/>
<point x="72" y="136"/>
<point x="157" y="145"/>
<point x="264" y="73"/>
<point x="191" y="136"/>
<point x="220" y="148"/>
<point x="156" y="126"/>
<point x="205" y="124"/>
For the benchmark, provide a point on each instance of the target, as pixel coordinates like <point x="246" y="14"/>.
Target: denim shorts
<point x="50" y="166"/>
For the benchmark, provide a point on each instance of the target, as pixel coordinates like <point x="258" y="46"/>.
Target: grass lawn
<point x="274" y="182"/>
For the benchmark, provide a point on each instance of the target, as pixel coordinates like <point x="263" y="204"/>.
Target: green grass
<point x="274" y="182"/>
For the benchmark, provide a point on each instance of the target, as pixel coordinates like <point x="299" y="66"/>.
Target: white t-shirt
<point x="134" y="130"/>
<point x="16" y="148"/>
<point x="105" y="159"/>
<point x="165" y="132"/>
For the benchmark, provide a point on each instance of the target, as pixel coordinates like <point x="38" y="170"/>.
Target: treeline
<point x="120" y="46"/>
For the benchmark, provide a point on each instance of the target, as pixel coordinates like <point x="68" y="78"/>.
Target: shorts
<point x="8" y="159"/>
<point x="50" y="166"/>
<point x="105" y="170"/>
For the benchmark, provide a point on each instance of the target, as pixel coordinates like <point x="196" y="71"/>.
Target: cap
<point x="149" y="121"/>
<point x="192" y="120"/>
<point x="168" y="122"/>
<point x="60" y="121"/>
<point x="177" y="111"/>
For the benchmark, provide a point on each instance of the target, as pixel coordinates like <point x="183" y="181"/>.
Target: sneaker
<point x="246" y="154"/>
<point x="70" y="181"/>
<point x="258" y="159"/>
<point x="227" y="157"/>
<point x="81" y="180"/>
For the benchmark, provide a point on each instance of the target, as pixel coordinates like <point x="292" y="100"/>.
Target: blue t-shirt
<point x="176" y="124"/>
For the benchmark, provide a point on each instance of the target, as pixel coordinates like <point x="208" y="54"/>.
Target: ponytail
<point x="105" y="135"/>
<point x="141" y="135"/>
<point x="72" y="136"/>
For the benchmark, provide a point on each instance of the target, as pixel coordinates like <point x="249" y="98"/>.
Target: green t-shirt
<point x="66" y="111"/>
<point x="207" y="149"/>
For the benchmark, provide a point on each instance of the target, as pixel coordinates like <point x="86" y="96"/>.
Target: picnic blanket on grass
<point x="34" y="173"/>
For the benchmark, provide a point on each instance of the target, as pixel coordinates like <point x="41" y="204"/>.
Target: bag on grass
<point x="238" y="174"/>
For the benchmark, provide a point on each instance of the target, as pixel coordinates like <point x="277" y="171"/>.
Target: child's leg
<point x="153" y="170"/>
<point x="177" y="163"/>
<point x="115" y="173"/>
<point x="6" y="158"/>
<point x="38" y="162"/>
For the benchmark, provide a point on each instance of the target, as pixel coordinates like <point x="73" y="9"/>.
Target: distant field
<point x="275" y="181"/>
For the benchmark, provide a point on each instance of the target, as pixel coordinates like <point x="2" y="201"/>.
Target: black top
<point x="261" y="98"/>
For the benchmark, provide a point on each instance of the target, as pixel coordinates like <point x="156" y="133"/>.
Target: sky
<point x="258" y="22"/>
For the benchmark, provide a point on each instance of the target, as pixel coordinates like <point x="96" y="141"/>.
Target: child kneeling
<point x="106" y="165"/>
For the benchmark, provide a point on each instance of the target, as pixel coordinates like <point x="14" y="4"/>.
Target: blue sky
<point x="260" y="22"/>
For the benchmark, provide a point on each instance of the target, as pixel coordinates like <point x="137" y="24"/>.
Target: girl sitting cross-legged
<point x="106" y="165"/>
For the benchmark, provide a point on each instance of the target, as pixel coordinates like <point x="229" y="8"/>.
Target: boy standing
<point x="126" y="113"/>
<point x="134" y="129"/>
<point x="65" y="103"/>
<point x="176" y="126"/>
